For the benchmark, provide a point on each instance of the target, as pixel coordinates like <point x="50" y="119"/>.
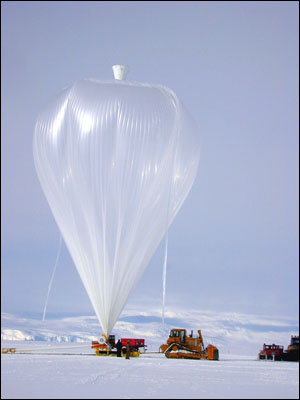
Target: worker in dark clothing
<point x="119" y="348"/>
<point x="127" y="350"/>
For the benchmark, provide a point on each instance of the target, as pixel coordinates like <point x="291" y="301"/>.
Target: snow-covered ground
<point x="79" y="374"/>
<point x="149" y="376"/>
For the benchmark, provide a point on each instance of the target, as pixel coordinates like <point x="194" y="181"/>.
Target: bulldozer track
<point x="180" y="348"/>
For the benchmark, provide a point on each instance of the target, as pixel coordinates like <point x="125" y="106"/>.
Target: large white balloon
<point x="116" y="161"/>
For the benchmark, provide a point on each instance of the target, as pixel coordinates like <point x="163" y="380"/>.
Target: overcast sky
<point x="234" y="244"/>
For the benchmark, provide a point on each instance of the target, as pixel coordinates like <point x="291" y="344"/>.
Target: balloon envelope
<point x="116" y="161"/>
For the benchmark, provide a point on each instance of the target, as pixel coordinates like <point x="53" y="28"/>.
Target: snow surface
<point x="149" y="376"/>
<point x="63" y="365"/>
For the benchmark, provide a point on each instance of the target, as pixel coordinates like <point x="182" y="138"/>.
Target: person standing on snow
<point x="119" y="348"/>
<point x="127" y="350"/>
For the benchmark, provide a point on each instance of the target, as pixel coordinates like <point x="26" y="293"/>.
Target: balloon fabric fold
<point x="116" y="161"/>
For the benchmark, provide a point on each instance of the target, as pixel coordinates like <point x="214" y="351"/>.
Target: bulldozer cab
<point x="178" y="333"/>
<point x="294" y="341"/>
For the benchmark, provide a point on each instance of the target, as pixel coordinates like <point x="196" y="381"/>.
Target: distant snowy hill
<point x="232" y="333"/>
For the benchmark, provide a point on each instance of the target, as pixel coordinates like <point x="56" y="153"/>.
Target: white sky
<point x="234" y="244"/>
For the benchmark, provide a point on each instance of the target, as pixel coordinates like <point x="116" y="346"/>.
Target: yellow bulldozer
<point x="181" y="345"/>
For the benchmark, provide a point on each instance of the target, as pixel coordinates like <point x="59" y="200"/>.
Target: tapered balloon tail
<point x="52" y="277"/>
<point x="164" y="281"/>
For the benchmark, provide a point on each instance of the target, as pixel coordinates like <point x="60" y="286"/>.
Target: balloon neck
<point x="120" y="72"/>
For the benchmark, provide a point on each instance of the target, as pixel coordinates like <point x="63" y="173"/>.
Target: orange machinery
<point x="181" y="345"/>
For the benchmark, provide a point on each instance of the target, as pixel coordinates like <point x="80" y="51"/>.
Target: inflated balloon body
<point x="115" y="160"/>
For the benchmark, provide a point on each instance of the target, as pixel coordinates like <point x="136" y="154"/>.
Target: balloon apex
<point x="120" y="72"/>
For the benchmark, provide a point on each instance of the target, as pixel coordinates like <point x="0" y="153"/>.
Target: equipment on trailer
<point x="107" y="346"/>
<point x="277" y="353"/>
<point x="8" y="350"/>
<point x="181" y="345"/>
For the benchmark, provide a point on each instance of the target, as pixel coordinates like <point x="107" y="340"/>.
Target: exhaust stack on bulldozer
<point x="181" y="345"/>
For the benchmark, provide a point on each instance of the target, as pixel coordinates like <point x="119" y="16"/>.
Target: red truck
<point x="271" y="352"/>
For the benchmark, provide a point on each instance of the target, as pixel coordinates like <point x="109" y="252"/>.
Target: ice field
<point x="149" y="376"/>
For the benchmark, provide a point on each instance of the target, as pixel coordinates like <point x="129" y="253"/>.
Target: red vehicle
<point x="271" y="352"/>
<point x="135" y="343"/>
